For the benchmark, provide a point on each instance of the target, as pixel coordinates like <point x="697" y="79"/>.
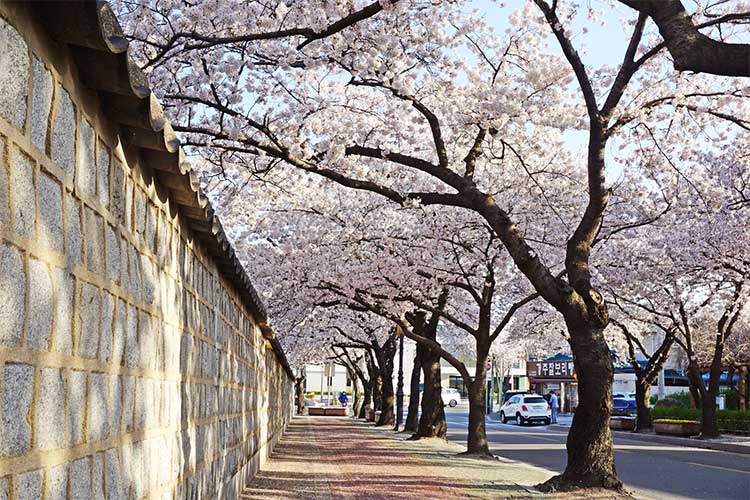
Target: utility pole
<point x="400" y="380"/>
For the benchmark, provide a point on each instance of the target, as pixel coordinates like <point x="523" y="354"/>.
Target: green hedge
<point x="730" y="421"/>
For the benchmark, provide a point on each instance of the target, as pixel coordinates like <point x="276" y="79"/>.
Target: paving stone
<point x="105" y="340"/>
<point x="40" y="303"/>
<point x="74" y="235"/>
<point x="28" y="485"/>
<point x="128" y="403"/>
<point x="114" y="476"/>
<point x="62" y="340"/>
<point x="97" y="475"/>
<point x="51" y="233"/>
<point x="76" y="405"/>
<point x="4" y="187"/>
<point x="24" y="193"/>
<point x="49" y="421"/>
<point x="41" y="102"/>
<point x="97" y="422"/>
<point x="94" y="239"/>
<point x="102" y="169"/>
<point x="113" y="254"/>
<point x="12" y="296"/>
<point x="56" y="483"/>
<point x="86" y="164"/>
<point x="14" y="59"/>
<point x="114" y="404"/>
<point x="64" y="131"/>
<point x="80" y="479"/>
<point x="90" y="314"/>
<point x="17" y="393"/>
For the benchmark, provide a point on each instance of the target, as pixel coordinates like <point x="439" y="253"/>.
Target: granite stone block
<point x="49" y="420"/>
<point x="24" y="193"/>
<point x="14" y="59"/>
<point x="12" y="296"/>
<point x="51" y="233"/>
<point x="17" y="394"/>
<point x="40" y="303"/>
<point x="64" y="131"/>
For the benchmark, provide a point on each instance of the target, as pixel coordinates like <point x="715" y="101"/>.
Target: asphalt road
<point x="653" y="471"/>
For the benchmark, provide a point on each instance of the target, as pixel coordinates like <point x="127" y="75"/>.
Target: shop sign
<point x="550" y="369"/>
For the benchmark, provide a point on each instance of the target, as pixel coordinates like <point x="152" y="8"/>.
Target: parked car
<point x="509" y="394"/>
<point x="526" y="408"/>
<point x="622" y="407"/>
<point x="451" y="397"/>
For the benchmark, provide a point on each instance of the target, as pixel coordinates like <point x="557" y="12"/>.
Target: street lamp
<point x="400" y="380"/>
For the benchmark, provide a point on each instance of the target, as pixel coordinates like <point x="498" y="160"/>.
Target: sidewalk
<point x="341" y="458"/>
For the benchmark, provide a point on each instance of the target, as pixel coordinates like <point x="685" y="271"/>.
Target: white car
<point x="526" y="408"/>
<point x="451" y="397"/>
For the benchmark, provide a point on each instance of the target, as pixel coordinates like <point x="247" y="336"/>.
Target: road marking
<point x="720" y="467"/>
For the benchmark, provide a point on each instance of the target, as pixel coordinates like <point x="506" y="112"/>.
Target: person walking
<point x="343" y="399"/>
<point x="553" y="405"/>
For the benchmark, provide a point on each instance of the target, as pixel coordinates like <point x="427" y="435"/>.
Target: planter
<point x="622" y="423"/>
<point x="337" y="412"/>
<point x="684" y="428"/>
<point x="316" y="411"/>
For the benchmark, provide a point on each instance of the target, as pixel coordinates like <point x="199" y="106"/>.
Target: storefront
<point x="555" y="374"/>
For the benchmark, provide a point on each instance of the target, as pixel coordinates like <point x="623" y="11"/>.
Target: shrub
<point x="682" y="399"/>
<point x="734" y="421"/>
<point x="730" y="421"/>
<point x="675" y="412"/>
<point x="732" y="398"/>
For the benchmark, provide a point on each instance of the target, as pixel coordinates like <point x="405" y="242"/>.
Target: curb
<point x="677" y="441"/>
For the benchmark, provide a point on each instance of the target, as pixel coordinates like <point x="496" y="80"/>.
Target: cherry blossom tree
<point x="430" y="107"/>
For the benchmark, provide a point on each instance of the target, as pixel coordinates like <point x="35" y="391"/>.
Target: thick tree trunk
<point x="299" y="391"/>
<point x="387" y="413"/>
<point x="412" y="416"/>
<point x="357" y="395"/>
<point x="695" y="385"/>
<point x="476" y="442"/>
<point x="742" y="388"/>
<point x="709" y="420"/>
<point x="432" y="420"/>
<point x="385" y="355"/>
<point x="377" y="393"/>
<point x="642" y="396"/>
<point x="591" y="461"/>
<point x="366" y="399"/>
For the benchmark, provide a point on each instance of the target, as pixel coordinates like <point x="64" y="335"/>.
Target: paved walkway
<point x="340" y="458"/>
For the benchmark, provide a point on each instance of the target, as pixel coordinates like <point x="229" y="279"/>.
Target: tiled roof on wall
<point x="99" y="48"/>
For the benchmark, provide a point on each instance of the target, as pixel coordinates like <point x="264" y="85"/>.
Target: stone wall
<point x="130" y="367"/>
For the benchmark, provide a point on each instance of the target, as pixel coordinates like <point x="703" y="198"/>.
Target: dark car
<point x="622" y="407"/>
